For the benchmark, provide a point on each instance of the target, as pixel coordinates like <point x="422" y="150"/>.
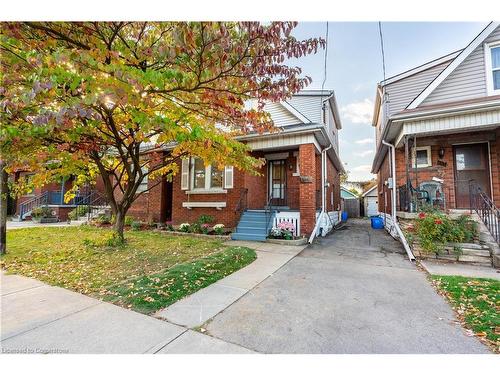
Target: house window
<point x="206" y="177"/>
<point x="216" y="176"/>
<point x="422" y="157"/>
<point x="144" y="183"/>
<point x="199" y="171"/>
<point x="492" y="62"/>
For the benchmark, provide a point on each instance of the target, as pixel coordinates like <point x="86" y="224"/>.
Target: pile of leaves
<point x="435" y="230"/>
<point x="150" y="293"/>
<point x="477" y="302"/>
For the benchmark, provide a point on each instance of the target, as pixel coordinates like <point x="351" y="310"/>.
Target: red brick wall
<point x="333" y="177"/>
<point x="441" y="168"/>
<point x="384" y="194"/>
<point x="307" y="162"/>
<point x="495" y="167"/>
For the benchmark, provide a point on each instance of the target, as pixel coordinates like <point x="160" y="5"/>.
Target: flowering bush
<point x="284" y="229"/>
<point x="435" y="230"/>
<point x="219" y="229"/>
<point x="204" y="228"/>
<point x="184" y="227"/>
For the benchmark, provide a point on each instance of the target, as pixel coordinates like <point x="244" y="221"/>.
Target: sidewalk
<point x="32" y="224"/>
<point x="203" y="305"/>
<point x="38" y="318"/>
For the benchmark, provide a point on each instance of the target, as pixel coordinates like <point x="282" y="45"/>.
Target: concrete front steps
<point x="470" y="253"/>
<point x="251" y="227"/>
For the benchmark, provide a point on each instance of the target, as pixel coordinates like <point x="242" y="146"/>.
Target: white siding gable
<point x="309" y="105"/>
<point x="402" y="92"/>
<point x="280" y="115"/>
<point x="467" y="81"/>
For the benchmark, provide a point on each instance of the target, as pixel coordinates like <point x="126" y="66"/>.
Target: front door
<point x="472" y="165"/>
<point x="277" y="182"/>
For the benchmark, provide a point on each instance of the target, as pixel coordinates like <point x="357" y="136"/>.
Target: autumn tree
<point x="89" y="99"/>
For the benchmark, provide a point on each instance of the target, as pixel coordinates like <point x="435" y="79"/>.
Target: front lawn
<point x="150" y="271"/>
<point x="477" y="301"/>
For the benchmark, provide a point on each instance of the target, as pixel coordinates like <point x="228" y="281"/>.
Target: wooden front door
<point x="277" y="182"/>
<point x="472" y="165"/>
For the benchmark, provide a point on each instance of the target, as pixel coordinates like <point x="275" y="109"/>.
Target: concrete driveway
<point x="352" y="292"/>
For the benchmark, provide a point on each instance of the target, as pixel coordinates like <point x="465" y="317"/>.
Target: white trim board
<point x="453" y="65"/>
<point x="295" y="112"/>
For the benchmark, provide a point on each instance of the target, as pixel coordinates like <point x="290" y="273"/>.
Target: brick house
<point x="50" y="195"/>
<point x="300" y="159"/>
<point x="443" y="120"/>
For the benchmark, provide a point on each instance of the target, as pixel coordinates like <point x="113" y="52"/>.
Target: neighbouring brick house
<point x="300" y="159"/>
<point x="50" y="195"/>
<point x="443" y="118"/>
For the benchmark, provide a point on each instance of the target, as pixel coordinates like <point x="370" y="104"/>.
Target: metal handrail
<point x="31" y="204"/>
<point x="269" y="210"/>
<point x="242" y="202"/>
<point x="486" y="210"/>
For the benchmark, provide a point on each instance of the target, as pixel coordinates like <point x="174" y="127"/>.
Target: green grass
<point x="152" y="292"/>
<point x="77" y="258"/>
<point x="477" y="301"/>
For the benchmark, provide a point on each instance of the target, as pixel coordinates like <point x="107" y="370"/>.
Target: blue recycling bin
<point x="344" y="216"/>
<point x="377" y="222"/>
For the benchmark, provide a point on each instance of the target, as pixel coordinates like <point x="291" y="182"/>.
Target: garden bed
<point x="292" y="242"/>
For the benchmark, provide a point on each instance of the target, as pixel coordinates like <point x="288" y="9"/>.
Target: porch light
<point x="441" y="152"/>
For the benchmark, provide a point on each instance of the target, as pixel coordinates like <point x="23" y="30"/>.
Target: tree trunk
<point x="3" y="208"/>
<point x="120" y="224"/>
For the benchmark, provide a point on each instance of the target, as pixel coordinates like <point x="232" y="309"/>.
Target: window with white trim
<point x="144" y="183"/>
<point x="422" y="157"/>
<point x="492" y="62"/>
<point x="206" y="177"/>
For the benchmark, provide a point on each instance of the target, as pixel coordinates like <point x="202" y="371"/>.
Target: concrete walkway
<point x="203" y="305"/>
<point x="354" y="291"/>
<point x="459" y="269"/>
<point x="37" y="318"/>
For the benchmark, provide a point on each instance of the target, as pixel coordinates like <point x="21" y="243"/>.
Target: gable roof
<point x="346" y="194"/>
<point x="369" y="190"/>
<point x="453" y="65"/>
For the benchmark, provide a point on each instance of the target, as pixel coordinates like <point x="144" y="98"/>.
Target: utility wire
<point x="382" y="46"/>
<point x="324" y="72"/>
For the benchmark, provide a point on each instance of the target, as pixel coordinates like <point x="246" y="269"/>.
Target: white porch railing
<point x="291" y="217"/>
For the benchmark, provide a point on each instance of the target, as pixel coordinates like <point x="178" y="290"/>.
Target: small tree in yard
<point x="88" y="99"/>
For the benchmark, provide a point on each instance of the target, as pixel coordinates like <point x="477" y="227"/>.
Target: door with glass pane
<point x="277" y="182"/>
<point x="472" y="165"/>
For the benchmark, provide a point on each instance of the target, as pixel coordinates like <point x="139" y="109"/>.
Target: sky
<point x="354" y="66"/>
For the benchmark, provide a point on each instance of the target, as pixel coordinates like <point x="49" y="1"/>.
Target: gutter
<point x="323" y="193"/>
<point x="395" y="223"/>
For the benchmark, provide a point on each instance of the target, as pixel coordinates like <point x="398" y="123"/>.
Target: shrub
<point x="205" y="228"/>
<point x="129" y="220"/>
<point x="205" y="219"/>
<point x="135" y="225"/>
<point x="77" y="212"/>
<point x="169" y="226"/>
<point x="195" y="228"/>
<point x="435" y="230"/>
<point x="219" y="229"/>
<point x="41" y="212"/>
<point x="103" y="219"/>
<point x="184" y="227"/>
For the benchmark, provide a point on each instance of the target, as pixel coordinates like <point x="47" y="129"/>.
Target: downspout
<point x="323" y="178"/>
<point x="392" y="152"/>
